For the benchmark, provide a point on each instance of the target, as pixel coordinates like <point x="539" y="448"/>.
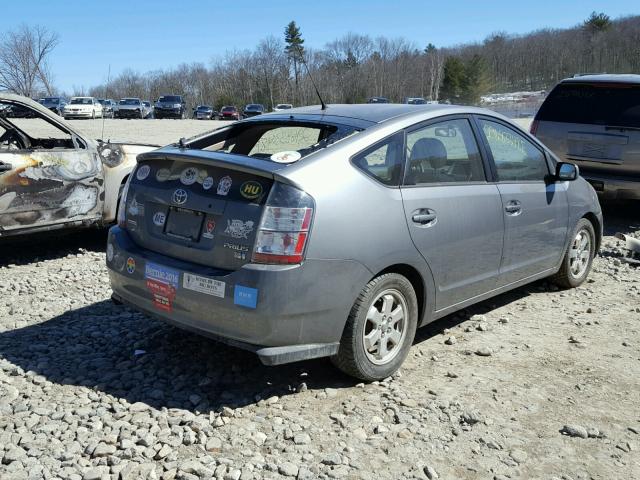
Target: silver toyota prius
<point x="337" y="232"/>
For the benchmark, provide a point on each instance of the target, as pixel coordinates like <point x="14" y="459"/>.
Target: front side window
<point x="444" y="152"/>
<point x="384" y="160"/>
<point x="516" y="158"/>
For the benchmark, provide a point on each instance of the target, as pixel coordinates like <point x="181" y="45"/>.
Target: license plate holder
<point x="183" y="223"/>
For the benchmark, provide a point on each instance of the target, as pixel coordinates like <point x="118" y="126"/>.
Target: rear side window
<point x="611" y="104"/>
<point x="384" y="160"/>
<point x="444" y="152"/>
<point x="516" y="158"/>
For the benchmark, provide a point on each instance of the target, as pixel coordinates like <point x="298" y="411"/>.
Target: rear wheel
<point x="578" y="258"/>
<point x="380" y="329"/>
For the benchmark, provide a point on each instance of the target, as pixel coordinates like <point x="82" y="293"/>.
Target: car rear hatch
<point x="594" y="124"/>
<point x="202" y="207"/>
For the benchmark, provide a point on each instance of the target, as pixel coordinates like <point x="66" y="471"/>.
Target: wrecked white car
<point x="52" y="176"/>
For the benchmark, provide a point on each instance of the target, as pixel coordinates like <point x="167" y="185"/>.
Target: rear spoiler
<point x="241" y="163"/>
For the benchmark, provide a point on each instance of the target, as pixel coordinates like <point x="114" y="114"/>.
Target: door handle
<point x="5" y="167"/>
<point x="513" y="207"/>
<point x="424" y="216"/>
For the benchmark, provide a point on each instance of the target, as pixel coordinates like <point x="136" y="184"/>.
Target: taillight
<point x="284" y="228"/>
<point x="122" y="204"/>
<point x="534" y="127"/>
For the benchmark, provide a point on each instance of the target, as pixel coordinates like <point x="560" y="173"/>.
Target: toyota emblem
<point x="179" y="197"/>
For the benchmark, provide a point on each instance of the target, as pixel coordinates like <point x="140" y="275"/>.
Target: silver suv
<point x="594" y="121"/>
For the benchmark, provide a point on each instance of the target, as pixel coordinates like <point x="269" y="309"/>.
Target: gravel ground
<point x="537" y="383"/>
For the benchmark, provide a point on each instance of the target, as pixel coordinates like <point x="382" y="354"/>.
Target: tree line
<point x="355" y="67"/>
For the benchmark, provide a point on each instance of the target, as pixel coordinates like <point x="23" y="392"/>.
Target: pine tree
<point x="294" y="49"/>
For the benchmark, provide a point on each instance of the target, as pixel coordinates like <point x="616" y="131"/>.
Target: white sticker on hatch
<point x="288" y="156"/>
<point x="238" y="228"/>
<point x="163" y="174"/>
<point x="201" y="284"/>
<point x="143" y="172"/>
<point x="224" y="185"/>
<point x="189" y="176"/>
<point x="207" y="183"/>
<point x="159" y="219"/>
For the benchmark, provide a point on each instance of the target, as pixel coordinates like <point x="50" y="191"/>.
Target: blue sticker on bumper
<point x="245" y="296"/>
<point x="163" y="274"/>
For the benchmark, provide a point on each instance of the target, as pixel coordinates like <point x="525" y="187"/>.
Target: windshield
<point x="82" y="101"/>
<point x="50" y="100"/>
<point x="170" y="99"/>
<point x="282" y="142"/>
<point x="612" y="104"/>
<point x="417" y="101"/>
<point x="283" y="106"/>
<point x="228" y="109"/>
<point x="146" y="104"/>
<point x="204" y="107"/>
<point x="129" y="101"/>
<point x="253" y="106"/>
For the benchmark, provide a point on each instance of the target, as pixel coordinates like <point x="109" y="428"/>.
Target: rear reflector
<point x="284" y="228"/>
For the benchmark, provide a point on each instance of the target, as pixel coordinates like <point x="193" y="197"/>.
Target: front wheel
<point x="380" y="329"/>
<point x="578" y="258"/>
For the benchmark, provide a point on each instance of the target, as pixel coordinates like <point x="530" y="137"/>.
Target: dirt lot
<point x="538" y="384"/>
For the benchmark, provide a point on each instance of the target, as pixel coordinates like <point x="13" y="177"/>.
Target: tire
<point x="384" y="294"/>
<point x="573" y="272"/>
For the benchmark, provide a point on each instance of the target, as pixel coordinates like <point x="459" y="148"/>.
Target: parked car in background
<point x="147" y="109"/>
<point x="414" y="101"/>
<point x="229" y="112"/>
<point x="130" y="108"/>
<point x="287" y="269"/>
<point x="108" y="107"/>
<point x="204" y="112"/>
<point x="82" y="107"/>
<point x="170" y="106"/>
<point x="55" y="104"/>
<point x="378" y="100"/>
<point x="282" y="106"/>
<point x="594" y="121"/>
<point x="252" y="109"/>
<point x="52" y="176"/>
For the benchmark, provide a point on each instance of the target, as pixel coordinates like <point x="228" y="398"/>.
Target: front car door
<point x="535" y="208"/>
<point x="48" y="176"/>
<point x="454" y="215"/>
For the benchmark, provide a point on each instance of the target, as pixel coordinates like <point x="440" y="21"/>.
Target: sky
<point x="160" y="34"/>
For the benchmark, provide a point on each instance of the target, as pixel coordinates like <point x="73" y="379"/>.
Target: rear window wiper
<point x="622" y="128"/>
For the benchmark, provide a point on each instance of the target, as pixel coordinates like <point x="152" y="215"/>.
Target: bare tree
<point x="24" y="55"/>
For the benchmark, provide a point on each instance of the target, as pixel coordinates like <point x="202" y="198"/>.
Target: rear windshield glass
<point x="595" y="104"/>
<point x="282" y="142"/>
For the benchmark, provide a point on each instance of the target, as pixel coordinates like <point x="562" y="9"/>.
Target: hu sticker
<point x="131" y="265"/>
<point x="207" y="183"/>
<point x="189" y="176"/>
<point x="224" y="185"/>
<point x="251" y="190"/>
<point x="208" y="228"/>
<point x="238" y="228"/>
<point x="143" y="172"/>
<point x="163" y="174"/>
<point x="159" y="219"/>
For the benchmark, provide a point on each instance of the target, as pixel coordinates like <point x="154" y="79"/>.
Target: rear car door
<point x="535" y="209"/>
<point x="47" y="176"/>
<point x="454" y="215"/>
<point x="595" y="125"/>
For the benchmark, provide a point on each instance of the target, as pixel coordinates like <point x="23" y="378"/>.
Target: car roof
<point x="605" y="78"/>
<point x="378" y="113"/>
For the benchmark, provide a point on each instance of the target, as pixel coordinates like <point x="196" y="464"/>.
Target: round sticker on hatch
<point x="207" y="183"/>
<point x="288" y="156"/>
<point x="163" y="175"/>
<point x="189" y="176"/>
<point x="143" y="172"/>
<point x="159" y="219"/>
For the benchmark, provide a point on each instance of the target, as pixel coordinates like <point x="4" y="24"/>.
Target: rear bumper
<point x="613" y="187"/>
<point x="299" y="311"/>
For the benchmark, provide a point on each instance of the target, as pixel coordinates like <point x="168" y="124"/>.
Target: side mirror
<point x="567" y="172"/>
